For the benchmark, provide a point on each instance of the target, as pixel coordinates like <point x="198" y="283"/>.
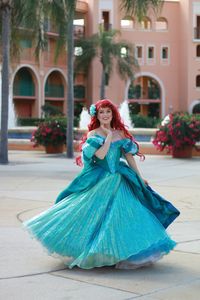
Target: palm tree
<point x="139" y="8"/>
<point x="63" y="11"/>
<point x="5" y="7"/>
<point x="14" y="14"/>
<point x="71" y="7"/>
<point x="109" y="51"/>
<point x="32" y="14"/>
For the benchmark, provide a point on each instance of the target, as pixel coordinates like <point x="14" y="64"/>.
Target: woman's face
<point x="104" y="115"/>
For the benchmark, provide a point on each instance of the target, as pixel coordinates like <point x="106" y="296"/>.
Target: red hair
<point x="116" y="124"/>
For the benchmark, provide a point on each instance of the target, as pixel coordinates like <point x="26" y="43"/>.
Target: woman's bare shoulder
<point x="91" y="133"/>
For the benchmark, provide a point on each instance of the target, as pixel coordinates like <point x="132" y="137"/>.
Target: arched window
<point x="145" y="24"/>
<point x="127" y="23"/>
<point x="198" y="51"/>
<point x="23" y="83"/>
<point x="196" y="108"/>
<point x="198" y="81"/>
<point x="54" y="87"/>
<point x="161" y="24"/>
<point x="134" y="91"/>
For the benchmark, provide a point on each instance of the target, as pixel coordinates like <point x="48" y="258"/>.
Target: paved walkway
<point x="29" y="185"/>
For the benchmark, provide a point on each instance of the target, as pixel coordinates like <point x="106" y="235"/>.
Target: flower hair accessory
<point x="93" y="110"/>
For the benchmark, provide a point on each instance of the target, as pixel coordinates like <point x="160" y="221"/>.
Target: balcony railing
<point x="105" y="26"/>
<point x="79" y="30"/>
<point x="197" y="33"/>
<point x="136" y="92"/>
<point x="24" y="89"/>
<point x="54" y="91"/>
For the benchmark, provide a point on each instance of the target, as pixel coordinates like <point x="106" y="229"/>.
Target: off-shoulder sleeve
<point x="91" y="145"/>
<point x="130" y="147"/>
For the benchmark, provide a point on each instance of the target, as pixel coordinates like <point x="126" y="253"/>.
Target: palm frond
<point x="17" y="15"/>
<point x="106" y="46"/>
<point x="89" y="51"/>
<point x="139" y="8"/>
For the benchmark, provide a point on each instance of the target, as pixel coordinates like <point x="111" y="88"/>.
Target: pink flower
<point x="48" y="130"/>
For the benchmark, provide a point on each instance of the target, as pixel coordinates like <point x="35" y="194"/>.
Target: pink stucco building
<point x="167" y="48"/>
<point x="168" y="51"/>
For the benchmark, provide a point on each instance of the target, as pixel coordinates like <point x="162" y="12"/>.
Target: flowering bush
<point x="50" y="132"/>
<point x="180" y="130"/>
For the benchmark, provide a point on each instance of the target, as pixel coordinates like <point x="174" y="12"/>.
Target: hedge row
<point x="36" y="121"/>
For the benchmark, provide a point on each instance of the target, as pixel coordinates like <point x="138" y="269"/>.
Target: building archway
<point x="55" y="88"/>
<point x="161" y="24"/>
<point x="145" y="23"/>
<point x="194" y="107"/>
<point x="148" y="94"/>
<point x="25" y="92"/>
<point x="127" y="22"/>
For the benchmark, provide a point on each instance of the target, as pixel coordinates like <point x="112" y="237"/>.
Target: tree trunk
<point x="6" y="15"/>
<point x="70" y="91"/>
<point x="103" y="83"/>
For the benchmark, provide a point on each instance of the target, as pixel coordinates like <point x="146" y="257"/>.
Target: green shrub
<point x="51" y="110"/>
<point x="37" y="121"/>
<point x="140" y="121"/>
<point x="29" y="121"/>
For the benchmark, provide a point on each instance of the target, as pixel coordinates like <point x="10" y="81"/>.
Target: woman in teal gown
<point x="108" y="215"/>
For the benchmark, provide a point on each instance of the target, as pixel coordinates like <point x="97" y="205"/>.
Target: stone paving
<point x="29" y="185"/>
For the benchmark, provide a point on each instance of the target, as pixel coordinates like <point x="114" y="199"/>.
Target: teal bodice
<point x="115" y="153"/>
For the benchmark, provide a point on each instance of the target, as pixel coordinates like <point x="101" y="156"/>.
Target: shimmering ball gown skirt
<point x="107" y="215"/>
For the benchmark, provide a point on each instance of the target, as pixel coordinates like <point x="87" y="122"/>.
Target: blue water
<point x="19" y="135"/>
<point x="27" y="135"/>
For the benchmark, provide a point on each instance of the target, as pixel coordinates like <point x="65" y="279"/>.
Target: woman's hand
<point x="102" y="151"/>
<point x="106" y="131"/>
